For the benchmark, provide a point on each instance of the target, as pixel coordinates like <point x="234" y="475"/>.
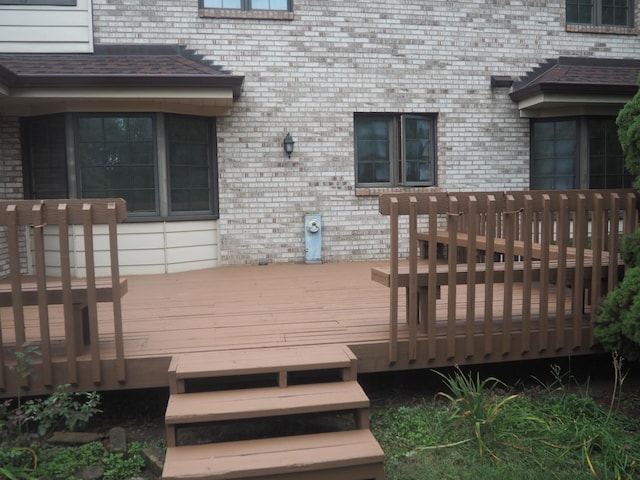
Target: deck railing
<point x="52" y="246"/>
<point x="540" y="241"/>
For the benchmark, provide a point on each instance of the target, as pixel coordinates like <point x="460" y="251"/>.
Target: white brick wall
<point x="308" y="77"/>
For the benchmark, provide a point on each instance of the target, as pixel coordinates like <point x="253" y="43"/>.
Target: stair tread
<point x="238" y="362"/>
<point x="253" y="458"/>
<point x="264" y="402"/>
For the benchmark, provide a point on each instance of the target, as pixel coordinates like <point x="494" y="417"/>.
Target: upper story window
<point x="64" y="3"/>
<point x="275" y="5"/>
<point x="600" y="12"/>
<point x="577" y="152"/>
<point x="162" y="165"/>
<point x="395" y="150"/>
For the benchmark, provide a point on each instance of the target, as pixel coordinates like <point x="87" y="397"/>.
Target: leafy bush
<point x="617" y="326"/>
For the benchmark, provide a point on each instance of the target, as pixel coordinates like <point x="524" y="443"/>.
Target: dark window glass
<point x="599" y="12"/>
<point x="64" y="3"/>
<point x="189" y="163"/>
<point x="395" y="150"/>
<point x="116" y="158"/>
<point x="557" y="161"/>
<point x="606" y="159"/>
<point x="46" y="154"/>
<point x="553" y="154"/>
<point x="277" y="5"/>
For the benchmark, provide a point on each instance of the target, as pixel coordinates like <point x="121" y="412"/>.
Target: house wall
<point x="308" y="73"/>
<point x="45" y="28"/>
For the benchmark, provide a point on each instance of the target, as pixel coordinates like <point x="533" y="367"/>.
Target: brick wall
<point x="309" y="75"/>
<point x="11" y="186"/>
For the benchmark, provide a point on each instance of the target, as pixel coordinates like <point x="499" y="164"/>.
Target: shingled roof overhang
<point x="116" y="78"/>
<point x="577" y="85"/>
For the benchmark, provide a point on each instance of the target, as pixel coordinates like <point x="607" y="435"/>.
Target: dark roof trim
<point x="123" y="66"/>
<point x="580" y="75"/>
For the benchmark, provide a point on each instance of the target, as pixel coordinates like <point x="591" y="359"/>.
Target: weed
<point x="475" y="400"/>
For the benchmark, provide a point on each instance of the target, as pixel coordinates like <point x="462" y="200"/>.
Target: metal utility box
<point x="312" y="238"/>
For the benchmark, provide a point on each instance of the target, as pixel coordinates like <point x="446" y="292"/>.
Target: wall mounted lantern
<point x="287" y="143"/>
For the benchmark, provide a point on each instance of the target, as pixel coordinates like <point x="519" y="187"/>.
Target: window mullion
<point x="161" y="166"/>
<point x="72" y="167"/>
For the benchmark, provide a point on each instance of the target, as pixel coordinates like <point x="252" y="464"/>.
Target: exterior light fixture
<point x="287" y="143"/>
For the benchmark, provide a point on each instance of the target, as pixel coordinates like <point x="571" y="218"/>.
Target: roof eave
<point x="622" y="90"/>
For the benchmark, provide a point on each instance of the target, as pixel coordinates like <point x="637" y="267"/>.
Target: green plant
<point x="62" y="463"/>
<point x="18" y="463"/>
<point x="73" y="409"/>
<point x="617" y="326"/>
<point x="475" y="400"/>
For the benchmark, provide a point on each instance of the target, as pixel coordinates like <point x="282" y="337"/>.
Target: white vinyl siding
<point x="143" y="248"/>
<point x="46" y="28"/>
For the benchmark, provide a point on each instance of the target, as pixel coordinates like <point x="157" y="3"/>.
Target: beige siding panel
<point x="30" y="34"/>
<point x="191" y="254"/>
<point x="46" y="29"/>
<point x="144" y="248"/>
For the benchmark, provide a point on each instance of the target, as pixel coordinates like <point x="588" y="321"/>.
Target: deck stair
<point x="211" y="388"/>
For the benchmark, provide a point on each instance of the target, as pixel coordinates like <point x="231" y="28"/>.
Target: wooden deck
<point x="247" y="307"/>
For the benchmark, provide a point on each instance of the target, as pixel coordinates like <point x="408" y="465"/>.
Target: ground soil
<point x="141" y="412"/>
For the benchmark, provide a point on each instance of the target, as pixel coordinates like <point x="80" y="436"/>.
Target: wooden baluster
<point x="489" y="266"/>
<point x="112" y="214"/>
<point x="393" y="280"/>
<point x="72" y="324"/>
<point x="546" y="234"/>
<point x="92" y="303"/>
<point x="561" y="285"/>
<point x="614" y="238"/>
<point x="432" y="288"/>
<point x="597" y="242"/>
<point x="39" y="221"/>
<point x="413" y="279"/>
<point x="509" y="235"/>
<point x="580" y="244"/>
<point x="527" y="237"/>
<point x="472" y="227"/>
<point x="452" y="287"/>
<point x="13" y="233"/>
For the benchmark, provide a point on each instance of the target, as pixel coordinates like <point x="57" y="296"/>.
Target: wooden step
<point x="348" y="455"/>
<point x="280" y="361"/>
<point x="202" y="407"/>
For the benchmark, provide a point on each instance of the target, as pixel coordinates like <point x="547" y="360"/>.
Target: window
<point x="395" y="150"/>
<point x="582" y="152"/>
<point x="64" y="3"/>
<point x="163" y="165"/>
<point x="600" y="12"/>
<point x="278" y="5"/>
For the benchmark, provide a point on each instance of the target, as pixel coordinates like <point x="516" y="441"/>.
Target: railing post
<point x="38" y="223"/>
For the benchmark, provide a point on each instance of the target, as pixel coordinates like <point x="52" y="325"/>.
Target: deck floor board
<point x="247" y="307"/>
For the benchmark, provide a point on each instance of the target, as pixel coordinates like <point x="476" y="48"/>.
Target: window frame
<point x="246" y="6"/>
<point x="596" y="16"/>
<point x="582" y="167"/>
<point x="162" y="179"/>
<point x="397" y="151"/>
<point x="55" y="3"/>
